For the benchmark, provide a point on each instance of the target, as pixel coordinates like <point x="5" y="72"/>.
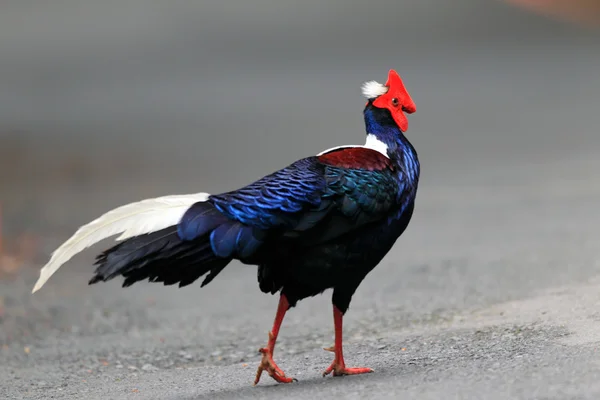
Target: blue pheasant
<point x="323" y="222"/>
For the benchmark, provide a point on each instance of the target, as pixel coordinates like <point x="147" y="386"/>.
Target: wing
<point x="315" y="199"/>
<point x="283" y="200"/>
<point x="363" y="185"/>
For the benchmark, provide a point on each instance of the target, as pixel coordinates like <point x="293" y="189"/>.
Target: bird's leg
<point x="338" y="366"/>
<point x="267" y="363"/>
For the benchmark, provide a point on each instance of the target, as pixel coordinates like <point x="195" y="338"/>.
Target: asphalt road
<point x="493" y="292"/>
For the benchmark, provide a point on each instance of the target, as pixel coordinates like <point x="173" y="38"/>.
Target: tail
<point x="160" y="256"/>
<point x="202" y="241"/>
<point x="139" y="222"/>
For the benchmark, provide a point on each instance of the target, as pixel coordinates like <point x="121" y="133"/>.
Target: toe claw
<point x="341" y="370"/>
<point x="267" y="364"/>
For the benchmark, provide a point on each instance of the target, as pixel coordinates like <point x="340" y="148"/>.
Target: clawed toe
<point x="340" y="370"/>
<point x="338" y="367"/>
<point x="267" y="364"/>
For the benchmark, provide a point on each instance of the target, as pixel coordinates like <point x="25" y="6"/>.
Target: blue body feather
<point x="299" y="199"/>
<point x="321" y="222"/>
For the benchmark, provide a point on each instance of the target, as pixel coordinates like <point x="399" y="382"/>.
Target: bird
<point x="323" y="222"/>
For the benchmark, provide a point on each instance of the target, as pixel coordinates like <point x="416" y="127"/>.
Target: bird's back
<point x="326" y="219"/>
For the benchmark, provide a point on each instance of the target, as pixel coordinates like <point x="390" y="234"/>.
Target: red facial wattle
<point x="396" y="100"/>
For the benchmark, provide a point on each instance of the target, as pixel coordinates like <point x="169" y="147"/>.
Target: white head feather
<point x="373" y="89"/>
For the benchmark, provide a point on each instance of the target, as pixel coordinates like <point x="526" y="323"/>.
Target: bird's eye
<point x="395" y="102"/>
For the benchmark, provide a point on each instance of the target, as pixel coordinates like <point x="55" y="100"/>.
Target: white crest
<point x="373" y="89"/>
<point x="129" y="220"/>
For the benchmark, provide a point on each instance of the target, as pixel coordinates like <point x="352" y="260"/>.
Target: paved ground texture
<point x="492" y="293"/>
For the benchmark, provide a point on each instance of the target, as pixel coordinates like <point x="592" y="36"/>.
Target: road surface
<point x="493" y="292"/>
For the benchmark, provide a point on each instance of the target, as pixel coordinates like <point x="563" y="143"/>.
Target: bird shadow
<point x="284" y="390"/>
<point x="303" y="386"/>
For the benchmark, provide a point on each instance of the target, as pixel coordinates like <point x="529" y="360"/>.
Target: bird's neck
<point x="384" y="135"/>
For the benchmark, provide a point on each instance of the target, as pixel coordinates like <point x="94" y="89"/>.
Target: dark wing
<point x="314" y="199"/>
<point x="283" y="200"/>
<point x="360" y="196"/>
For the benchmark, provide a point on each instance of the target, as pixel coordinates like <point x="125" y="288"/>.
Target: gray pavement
<point x="492" y="293"/>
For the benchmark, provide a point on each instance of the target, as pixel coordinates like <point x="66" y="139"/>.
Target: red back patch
<point x="357" y="158"/>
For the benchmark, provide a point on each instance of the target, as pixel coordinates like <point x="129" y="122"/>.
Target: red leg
<point x="338" y="366"/>
<point x="267" y="363"/>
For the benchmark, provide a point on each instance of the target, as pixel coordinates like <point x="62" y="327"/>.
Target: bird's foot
<point x="338" y="367"/>
<point x="267" y="364"/>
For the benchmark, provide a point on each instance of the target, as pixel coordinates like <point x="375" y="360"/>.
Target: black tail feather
<point x="160" y="256"/>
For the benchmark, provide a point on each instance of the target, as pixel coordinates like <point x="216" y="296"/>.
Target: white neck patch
<point x="375" y="144"/>
<point x="373" y="89"/>
<point x="372" y="143"/>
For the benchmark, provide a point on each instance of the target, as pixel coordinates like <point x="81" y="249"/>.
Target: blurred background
<point x="107" y="102"/>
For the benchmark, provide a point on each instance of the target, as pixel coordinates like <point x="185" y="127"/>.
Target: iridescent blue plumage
<point x="277" y="200"/>
<point x="323" y="222"/>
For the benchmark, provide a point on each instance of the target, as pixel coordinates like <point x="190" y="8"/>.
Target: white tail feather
<point x="130" y="220"/>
